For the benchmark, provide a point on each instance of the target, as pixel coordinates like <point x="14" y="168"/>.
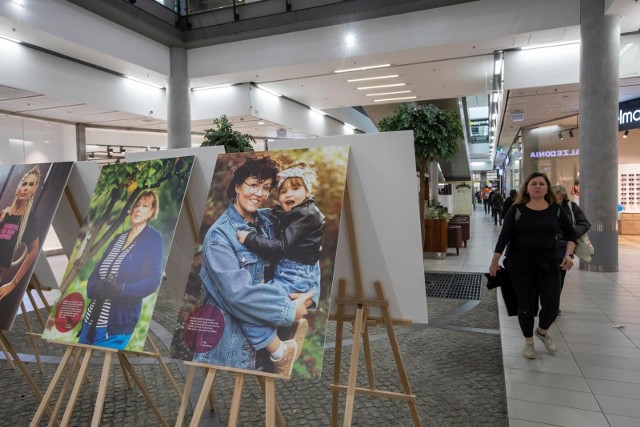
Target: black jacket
<point x="582" y="224"/>
<point x="506" y="205"/>
<point x="299" y="234"/>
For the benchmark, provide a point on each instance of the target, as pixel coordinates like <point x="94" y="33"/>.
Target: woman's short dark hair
<point x="513" y="193"/>
<point x="524" y="197"/>
<point x="261" y="168"/>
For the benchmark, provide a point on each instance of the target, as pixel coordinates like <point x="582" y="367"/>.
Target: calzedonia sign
<point x="629" y="115"/>
<point x="555" y="153"/>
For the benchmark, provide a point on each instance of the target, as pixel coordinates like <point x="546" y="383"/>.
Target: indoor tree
<point x="232" y="140"/>
<point x="436" y="134"/>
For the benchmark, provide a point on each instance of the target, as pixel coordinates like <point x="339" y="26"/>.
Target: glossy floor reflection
<point x="594" y="378"/>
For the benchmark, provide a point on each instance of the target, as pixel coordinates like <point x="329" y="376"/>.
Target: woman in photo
<point x="234" y="277"/>
<point x="130" y="269"/>
<point x="530" y="228"/>
<point x="19" y="241"/>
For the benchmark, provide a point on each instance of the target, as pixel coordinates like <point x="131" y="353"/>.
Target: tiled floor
<point x="594" y="378"/>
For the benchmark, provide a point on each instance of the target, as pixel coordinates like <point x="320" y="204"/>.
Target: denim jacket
<point x="233" y="279"/>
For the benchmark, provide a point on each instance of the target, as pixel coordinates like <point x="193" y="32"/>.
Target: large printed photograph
<point x="29" y="197"/>
<point x="110" y="287"/>
<point x="259" y="289"/>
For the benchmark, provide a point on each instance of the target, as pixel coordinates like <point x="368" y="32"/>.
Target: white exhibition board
<point x="384" y="202"/>
<point x="184" y="239"/>
<point x="81" y="184"/>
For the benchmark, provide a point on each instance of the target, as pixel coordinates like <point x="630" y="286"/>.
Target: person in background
<point x="508" y="202"/>
<point x="580" y="223"/>
<point x="575" y="191"/>
<point x="486" y="192"/>
<point x="530" y="229"/>
<point x="497" y="201"/>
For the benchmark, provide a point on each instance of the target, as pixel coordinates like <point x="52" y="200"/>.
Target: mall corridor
<point x="594" y="378"/>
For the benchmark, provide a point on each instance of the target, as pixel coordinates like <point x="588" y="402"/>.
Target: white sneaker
<point x="547" y="341"/>
<point x="529" y="351"/>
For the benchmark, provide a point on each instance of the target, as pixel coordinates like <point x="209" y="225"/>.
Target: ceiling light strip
<point x="391" y="76"/>
<point x="398" y="92"/>
<point x="10" y="39"/>
<point x="269" y="91"/>
<point x="382" y="86"/>
<point x="370" y="67"/>
<point x="210" y="87"/>
<point x="143" y="82"/>
<point x="395" y="99"/>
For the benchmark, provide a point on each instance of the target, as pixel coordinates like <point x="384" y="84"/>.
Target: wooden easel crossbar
<point x="360" y="330"/>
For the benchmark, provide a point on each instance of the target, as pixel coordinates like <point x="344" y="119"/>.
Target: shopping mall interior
<point x="93" y="81"/>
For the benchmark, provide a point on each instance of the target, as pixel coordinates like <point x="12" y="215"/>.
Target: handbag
<point x="584" y="249"/>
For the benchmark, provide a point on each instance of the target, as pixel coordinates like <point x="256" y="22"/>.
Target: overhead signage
<point x="555" y="153"/>
<point x="629" y="115"/>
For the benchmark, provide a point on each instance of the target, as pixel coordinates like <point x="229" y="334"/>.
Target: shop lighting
<point x="210" y="87"/>
<point x="382" y="86"/>
<point x="571" y="133"/>
<point x="626" y="134"/>
<point x="269" y="91"/>
<point x="391" y="76"/>
<point x="389" y="93"/>
<point x="370" y="67"/>
<point x="560" y="135"/>
<point x="10" y="39"/>
<point x="144" y="83"/>
<point x="394" y="99"/>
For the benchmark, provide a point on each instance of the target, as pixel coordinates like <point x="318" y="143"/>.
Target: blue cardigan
<point x="140" y="273"/>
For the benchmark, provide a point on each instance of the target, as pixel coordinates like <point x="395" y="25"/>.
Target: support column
<point x="599" y="79"/>
<point x="81" y="142"/>
<point x="179" y="107"/>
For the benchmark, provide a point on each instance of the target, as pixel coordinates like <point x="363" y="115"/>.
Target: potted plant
<point x="233" y="141"/>
<point x="435" y="136"/>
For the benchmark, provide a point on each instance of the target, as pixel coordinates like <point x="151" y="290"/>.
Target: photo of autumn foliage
<point x="110" y="286"/>
<point x="330" y="167"/>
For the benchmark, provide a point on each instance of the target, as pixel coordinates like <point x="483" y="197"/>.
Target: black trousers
<point x="531" y="285"/>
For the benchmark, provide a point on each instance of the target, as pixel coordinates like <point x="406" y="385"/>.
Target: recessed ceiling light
<point x="382" y="86"/>
<point x="389" y="93"/>
<point x="268" y="90"/>
<point x="373" y="78"/>
<point x="370" y="67"/>
<point x="260" y="123"/>
<point x="394" y="99"/>
<point x="350" y="39"/>
<point x="210" y="87"/>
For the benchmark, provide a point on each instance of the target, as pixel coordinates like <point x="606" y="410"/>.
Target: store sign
<point x="555" y="153"/>
<point x="629" y="115"/>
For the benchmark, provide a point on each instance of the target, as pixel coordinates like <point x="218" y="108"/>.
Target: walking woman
<point x="530" y="228"/>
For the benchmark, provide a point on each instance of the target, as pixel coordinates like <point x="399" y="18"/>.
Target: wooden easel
<point x="86" y="351"/>
<point x="360" y="321"/>
<point x="12" y="357"/>
<point x="273" y="415"/>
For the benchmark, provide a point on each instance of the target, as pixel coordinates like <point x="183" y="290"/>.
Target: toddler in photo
<point x="296" y="250"/>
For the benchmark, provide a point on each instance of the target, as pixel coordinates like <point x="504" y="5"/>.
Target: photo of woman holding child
<point x="258" y="276"/>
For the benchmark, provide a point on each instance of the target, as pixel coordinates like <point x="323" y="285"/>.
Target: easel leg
<point x="270" y="402"/>
<point x="36" y="353"/>
<point x="164" y="367"/>
<point x="335" y="398"/>
<point x="353" y="370"/>
<point x="65" y="385"/>
<point x="102" y="389"/>
<point x="52" y="386"/>
<point x="208" y="382"/>
<point x="21" y="366"/>
<point x="234" y="411"/>
<point x="35" y="307"/>
<point x="76" y="388"/>
<point x="5" y="351"/>
<point x="124" y="373"/>
<point x="143" y="389"/>
<point x="185" y="396"/>
<point x="397" y="356"/>
<point x="279" y="417"/>
<point x="366" y="346"/>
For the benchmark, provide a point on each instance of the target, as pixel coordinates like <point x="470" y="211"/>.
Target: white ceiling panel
<point x="34" y="103"/>
<point x="7" y="92"/>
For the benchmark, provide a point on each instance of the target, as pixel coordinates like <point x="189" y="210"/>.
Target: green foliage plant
<point x="435" y="137"/>
<point x="223" y="134"/>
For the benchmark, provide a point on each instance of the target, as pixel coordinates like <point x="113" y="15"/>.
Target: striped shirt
<point x="109" y="267"/>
